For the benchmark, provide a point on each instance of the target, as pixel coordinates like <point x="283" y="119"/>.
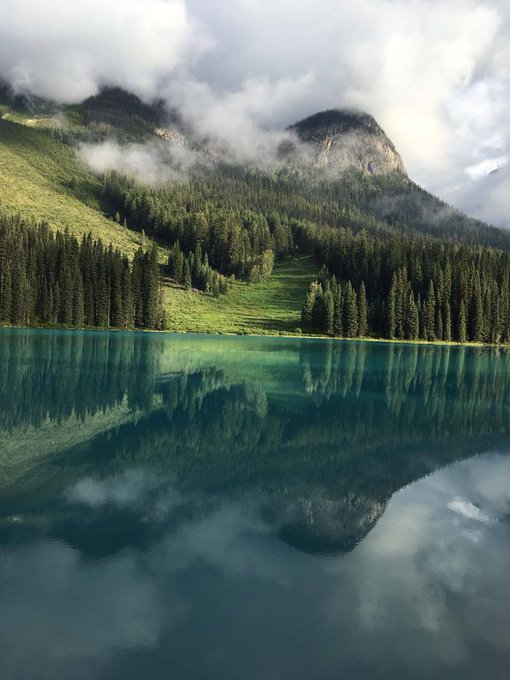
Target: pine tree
<point x="66" y="297"/>
<point x="338" y="315"/>
<point x="307" y="311"/>
<point x="78" y="302"/>
<point x="362" y="311"/>
<point x="187" y="276"/>
<point x="391" y="321"/>
<point x="447" y="322"/>
<point x="127" y="296"/>
<point x="430" y="313"/>
<point x="412" y="320"/>
<point x="477" y="314"/>
<point x="350" y="311"/>
<point x="215" y="288"/>
<point x="329" y="310"/>
<point x="462" y="323"/>
<point x="6" y="293"/>
<point x="150" y="279"/>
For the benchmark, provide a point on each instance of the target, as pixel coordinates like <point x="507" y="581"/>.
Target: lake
<point x="176" y="506"/>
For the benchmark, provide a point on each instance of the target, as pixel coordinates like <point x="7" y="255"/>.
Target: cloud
<point x="67" y="49"/>
<point x="72" y="610"/>
<point x="467" y="509"/>
<point x="487" y="196"/>
<point x="151" y="163"/>
<point x="155" y="497"/>
<point x="418" y="585"/>
<point x="123" y="490"/>
<point x="436" y="75"/>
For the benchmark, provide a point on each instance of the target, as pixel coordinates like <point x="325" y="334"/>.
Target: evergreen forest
<point x="51" y="278"/>
<point x="391" y="279"/>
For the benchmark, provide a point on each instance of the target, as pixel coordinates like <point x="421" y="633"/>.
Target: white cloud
<point x="430" y="584"/>
<point x="67" y="49"/>
<point x="468" y="510"/>
<point x="132" y="487"/>
<point x="151" y="163"/>
<point x="435" y="74"/>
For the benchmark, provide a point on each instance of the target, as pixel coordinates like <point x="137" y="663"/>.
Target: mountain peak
<point x="347" y="138"/>
<point x="338" y="119"/>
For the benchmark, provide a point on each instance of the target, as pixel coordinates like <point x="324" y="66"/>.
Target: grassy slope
<point x="270" y="307"/>
<point x="42" y="179"/>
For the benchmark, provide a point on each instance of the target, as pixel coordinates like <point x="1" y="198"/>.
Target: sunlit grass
<point x="270" y="307"/>
<point x="42" y="179"/>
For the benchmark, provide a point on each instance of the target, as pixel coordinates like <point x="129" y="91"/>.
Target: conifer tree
<point x="391" y="322"/>
<point x="338" y="314"/>
<point x="350" y="311"/>
<point x="477" y="314"/>
<point x="329" y="310"/>
<point x="447" y="322"/>
<point x="187" y="276"/>
<point x="78" y="302"/>
<point x="430" y="313"/>
<point x="307" y="311"/>
<point x="362" y="311"/>
<point x="412" y="321"/>
<point x="6" y="292"/>
<point x="462" y="323"/>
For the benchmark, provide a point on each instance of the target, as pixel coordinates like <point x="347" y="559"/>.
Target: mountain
<point x="346" y="149"/>
<point x="335" y="194"/>
<point x="343" y="140"/>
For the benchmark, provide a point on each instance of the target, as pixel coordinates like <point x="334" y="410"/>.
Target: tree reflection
<point x="326" y="435"/>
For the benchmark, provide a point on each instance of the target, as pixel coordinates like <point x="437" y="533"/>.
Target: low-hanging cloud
<point x="435" y="75"/>
<point x="151" y="163"/>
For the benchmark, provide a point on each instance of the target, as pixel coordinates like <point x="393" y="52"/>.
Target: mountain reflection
<point x="215" y="594"/>
<point x="230" y="508"/>
<point x="322" y="433"/>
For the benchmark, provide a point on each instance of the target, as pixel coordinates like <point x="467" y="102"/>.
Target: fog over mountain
<point x="435" y="75"/>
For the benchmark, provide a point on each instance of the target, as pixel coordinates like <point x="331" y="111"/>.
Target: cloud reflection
<point x="426" y="589"/>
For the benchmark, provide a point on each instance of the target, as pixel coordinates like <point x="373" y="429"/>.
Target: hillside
<point x="396" y="261"/>
<point x="272" y="306"/>
<point x="41" y="178"/>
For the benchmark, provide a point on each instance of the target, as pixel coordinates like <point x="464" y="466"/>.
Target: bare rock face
<point x="339" y="140"/>
<point x="171" y="135"/>
<point x="316" y="523"/>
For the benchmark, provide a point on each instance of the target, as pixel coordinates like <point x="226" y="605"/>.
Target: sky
<point x="435" y="74"/>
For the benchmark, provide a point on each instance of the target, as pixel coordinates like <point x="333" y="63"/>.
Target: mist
<point x="435" y="75"/>
<point x="152" y="163"/>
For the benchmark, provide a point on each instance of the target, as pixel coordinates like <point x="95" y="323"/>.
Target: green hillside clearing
<point x="42" y="179"/>
<point x="270" y="307"/>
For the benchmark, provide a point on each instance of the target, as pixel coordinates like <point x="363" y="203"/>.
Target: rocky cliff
<point x="341" y="139"/>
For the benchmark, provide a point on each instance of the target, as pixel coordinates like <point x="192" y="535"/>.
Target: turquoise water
<point x="191" y="507"/>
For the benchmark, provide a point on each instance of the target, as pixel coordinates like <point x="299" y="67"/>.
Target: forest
<point x="386" y="268"/>
<point x="399" y="278"/>
<point x="51" y="278"/>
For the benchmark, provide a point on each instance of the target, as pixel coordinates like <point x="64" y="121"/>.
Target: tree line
<point x="194" y="271"/>
<point x="384" y="278"/>
<point x="49" y="277"/>
<point x="398" y="288"/>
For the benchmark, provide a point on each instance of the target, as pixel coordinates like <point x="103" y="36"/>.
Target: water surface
<point x="244" y="508"/>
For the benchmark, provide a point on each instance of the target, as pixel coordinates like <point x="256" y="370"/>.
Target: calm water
<point x="238" y="508"/>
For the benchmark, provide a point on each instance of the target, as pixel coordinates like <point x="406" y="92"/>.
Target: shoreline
<point x="269" y="334"/>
